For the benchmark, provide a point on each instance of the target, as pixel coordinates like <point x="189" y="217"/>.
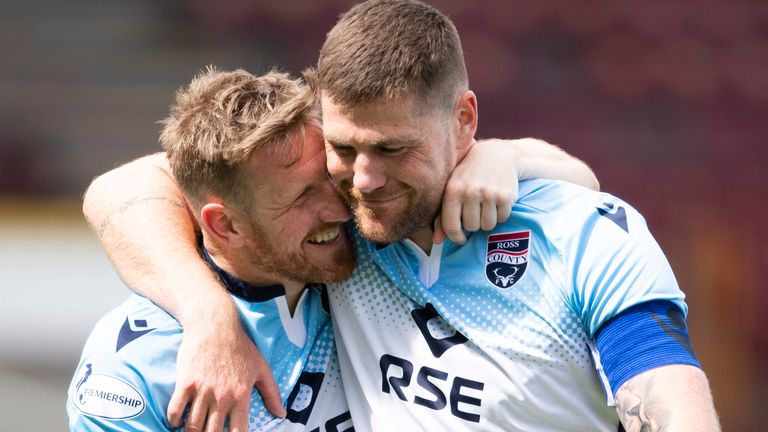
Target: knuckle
<point x="186" y="387"/>
<point x="473" y="191"/>
<point x="453" y="234"/>
<point x="505" y="201"/>
<point x="465" y="190"/>
<point x="451" y="227"/>
<point x="455" y="186"/>
<point x="241" y="395"/>
<point x="223" y="397"/>
<point x="471" y="226"/>
<point x="488" y="195"/>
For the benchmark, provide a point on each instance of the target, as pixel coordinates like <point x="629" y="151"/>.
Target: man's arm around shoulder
<point x="143" y="222"/>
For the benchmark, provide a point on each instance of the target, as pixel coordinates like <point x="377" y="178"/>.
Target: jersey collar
<point x="240" y="288"/>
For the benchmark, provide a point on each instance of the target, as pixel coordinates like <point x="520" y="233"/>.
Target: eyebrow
<point x="383" y="142"/>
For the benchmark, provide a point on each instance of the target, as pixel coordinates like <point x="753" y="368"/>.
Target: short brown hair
<point x="389" y="48"/>
<point x="221" y="118"/>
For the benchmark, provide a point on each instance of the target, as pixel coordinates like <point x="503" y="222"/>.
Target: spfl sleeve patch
<point x="107" y="396"/>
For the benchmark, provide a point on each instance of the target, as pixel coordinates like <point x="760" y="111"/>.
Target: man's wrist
<point x="521" y="159"/>
<point x="209" y="308"/>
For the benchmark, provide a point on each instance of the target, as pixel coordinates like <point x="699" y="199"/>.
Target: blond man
<point x="248" y="154"/>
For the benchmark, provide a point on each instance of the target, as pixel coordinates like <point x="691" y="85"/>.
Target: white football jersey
<point x="495" y="334"/>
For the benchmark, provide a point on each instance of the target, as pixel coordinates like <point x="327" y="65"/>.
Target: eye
<point x="343" y="150"/>
<point x="300" y="198"/>
<point x="391" y="151"/>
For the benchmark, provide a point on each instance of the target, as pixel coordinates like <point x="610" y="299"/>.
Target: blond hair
<point x="221" y="118"/>
<point x="392" y="48"/>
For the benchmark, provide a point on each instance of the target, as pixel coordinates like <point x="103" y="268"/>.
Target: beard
<point x="272" y="257"/>
<point x="412" y="212"/>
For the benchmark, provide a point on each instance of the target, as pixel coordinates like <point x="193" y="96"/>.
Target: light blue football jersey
<point x="496" y="334"/>
<point x="127" y="371"/>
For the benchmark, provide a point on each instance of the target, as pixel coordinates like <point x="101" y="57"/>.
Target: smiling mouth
<point x="379" y="201"/>
<point x="325" y="236"/>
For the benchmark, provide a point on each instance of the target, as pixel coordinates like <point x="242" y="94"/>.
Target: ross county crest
<point x="507" y="258"/>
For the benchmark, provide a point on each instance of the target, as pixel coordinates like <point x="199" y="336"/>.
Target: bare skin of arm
<point x="669" y="398"/>
<point x="143" y="223"/>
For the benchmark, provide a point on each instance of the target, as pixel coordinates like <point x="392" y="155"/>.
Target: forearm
<point x="668" y="398"/>
<point x="144" y="224"/>
<point x="539" y="159"/>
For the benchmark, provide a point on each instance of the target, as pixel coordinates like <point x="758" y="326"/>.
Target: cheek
<point x="338" y="167"/>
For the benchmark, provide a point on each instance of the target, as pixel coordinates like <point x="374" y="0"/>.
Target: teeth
<point x="325" y="236"/>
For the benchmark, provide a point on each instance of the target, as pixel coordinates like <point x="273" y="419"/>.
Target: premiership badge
<point x="507" y="258"/>
<point x="107" y="396"/>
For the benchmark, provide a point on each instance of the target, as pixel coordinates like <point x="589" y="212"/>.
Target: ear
<point x="465" y="116"/>
<point x="220" y="222"/>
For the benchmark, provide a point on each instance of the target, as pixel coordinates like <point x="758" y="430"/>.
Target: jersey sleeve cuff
<point x="643" y="337"/>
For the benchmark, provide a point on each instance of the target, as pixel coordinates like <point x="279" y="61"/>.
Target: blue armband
<point x="643" y="337"/>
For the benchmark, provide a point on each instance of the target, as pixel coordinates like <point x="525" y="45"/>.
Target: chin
<point x="373" y="229"/>
<point x="336" y="266"/>
<point x="395" y="224"/>
<point x="383" y="232"/>
<point x="338" y="270"/>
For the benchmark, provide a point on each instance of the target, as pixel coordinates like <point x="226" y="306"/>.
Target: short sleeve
<point x="106" y="394"/>
<point x="614" y="262"/>
<point x="127" y="370"/>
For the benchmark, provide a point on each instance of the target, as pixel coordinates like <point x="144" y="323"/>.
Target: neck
<point x="293" y="291"/>
<point x="423" y="239"/>
<point x="243" y="270"/>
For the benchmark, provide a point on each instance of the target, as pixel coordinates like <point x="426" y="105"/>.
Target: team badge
<point x="507" y="258"/>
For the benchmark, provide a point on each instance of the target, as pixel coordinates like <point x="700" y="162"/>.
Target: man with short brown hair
<point x="565" y="317"/>
<point x="417" y="50"/>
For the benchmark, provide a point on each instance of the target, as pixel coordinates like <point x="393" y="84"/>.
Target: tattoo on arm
<point x="107" y="222"/>
<point x="635" y="404"/>
<point x="104" y="225"/>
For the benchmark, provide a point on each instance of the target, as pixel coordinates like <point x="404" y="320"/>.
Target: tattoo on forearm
<point x="104" y="225"/>
<point x="132" y="202"/>
<point x="634" y="408"/>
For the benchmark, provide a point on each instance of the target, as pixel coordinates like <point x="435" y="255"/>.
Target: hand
<point x="217" y="367"/>
<point x="480" y="191"/>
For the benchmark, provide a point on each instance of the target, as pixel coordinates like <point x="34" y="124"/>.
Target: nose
<point x="367" y="175"/>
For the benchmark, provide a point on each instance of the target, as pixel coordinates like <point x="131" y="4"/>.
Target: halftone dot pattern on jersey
<point x="286" y="375"/>
<point x="529" y="322"/>
<point x="260" y="418"/>
<point x="303" y="398"/>
<point x="323" y="358"/>
<point x="288" y="363"/>
<point x="381" y="303"/>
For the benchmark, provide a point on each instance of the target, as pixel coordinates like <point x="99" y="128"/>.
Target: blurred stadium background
<point x="666" y="99"/>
